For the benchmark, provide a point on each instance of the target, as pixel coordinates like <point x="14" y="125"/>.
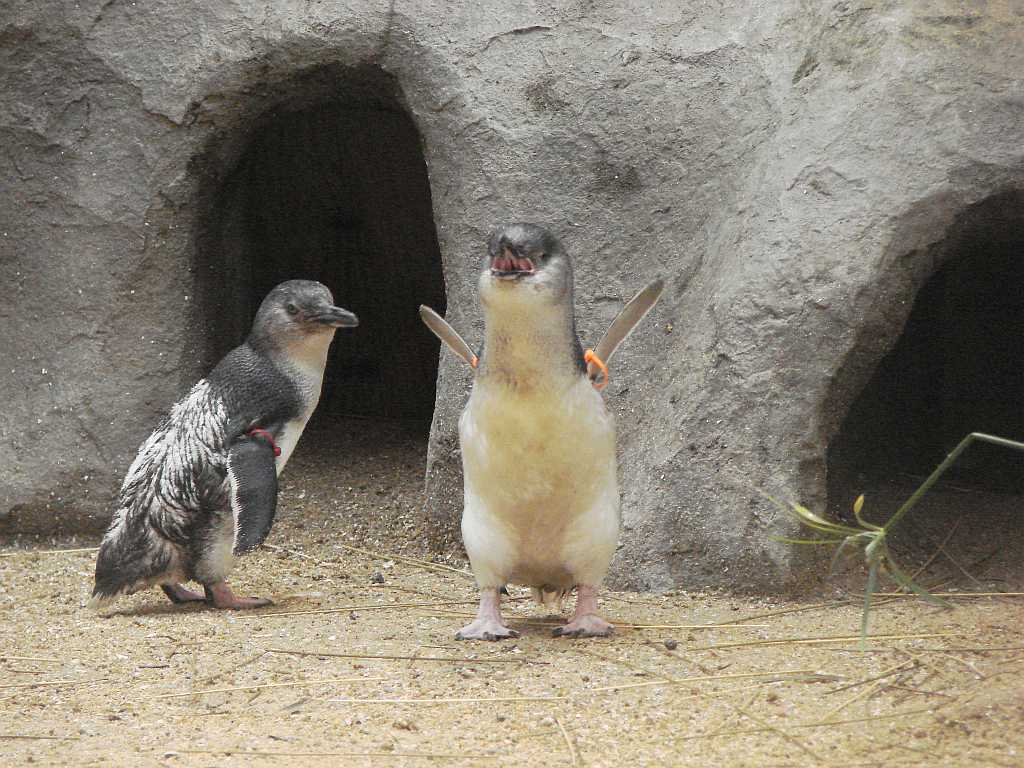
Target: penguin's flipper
<point x="626" y="321"/>
<point x="439" y="326"/>
<point x="252" y="476"/>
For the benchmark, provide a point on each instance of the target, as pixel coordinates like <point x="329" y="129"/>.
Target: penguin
<point x="203" y="487"/>
<point x="541" y="495"/>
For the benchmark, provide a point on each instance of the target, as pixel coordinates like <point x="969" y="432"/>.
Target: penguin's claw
<point x="219" y="595"/>
<point x="485" y="629"/>
<point x="178" y="594"/>
<point x="588" y="625"/>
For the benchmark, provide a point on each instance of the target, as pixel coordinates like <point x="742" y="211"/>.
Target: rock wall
<point x="787" y="167"/>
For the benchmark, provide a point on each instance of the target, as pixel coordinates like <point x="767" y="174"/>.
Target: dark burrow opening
<point x="957" y="367"/>
<point x="337" y="191"/>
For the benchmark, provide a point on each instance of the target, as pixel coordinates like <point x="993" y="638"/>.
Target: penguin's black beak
<point x="337" y="317"/>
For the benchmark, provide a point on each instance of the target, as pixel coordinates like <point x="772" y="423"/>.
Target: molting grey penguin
<point x="203" y="487"/>
<point x="538" y="445"/>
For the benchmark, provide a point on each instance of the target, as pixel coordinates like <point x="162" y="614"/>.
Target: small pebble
<point x="377" y="578"/>
<point x="671" y="644"/>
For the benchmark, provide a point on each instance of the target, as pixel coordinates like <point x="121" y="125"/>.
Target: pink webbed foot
<point x="178" y="594"/>
<point x="585" y="621"/>
<point x="488" y="624"/>
<point x="590" y="625"/>
<point x="219" y="595"/>
<point x="485" y="629"/>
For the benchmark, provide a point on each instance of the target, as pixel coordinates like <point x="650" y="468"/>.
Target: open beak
<point x="508" y="266"/>
<point x="337" y="317"/>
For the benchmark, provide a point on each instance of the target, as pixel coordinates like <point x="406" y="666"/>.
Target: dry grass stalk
<point x="617" y="598"/>
<point x="623" y="663"/>
<point x="971" y="649"/>
<point x="964" y="663"/>
<point x="693" y="626"/>
<point x="386" y="657"/>
<point x="864" y="693"/>
<point x="45" y="683"/>
<point x="48" y="552"/>
<point x="822" y="724"/>
<point x="819" y="640"/>
<point x="302" y="555"/>
<point x="883" y="675"/>
<point x="568" y="742"/>
<point x="785" y="674"/>
<point x="924" y="566"/>
<point x="29" y="658"/>
<point x="292" y="684"/>
<point x="787" y="611"/>
<point x="362" y="607"/>
<point x="784" y="735"/>
<point x="954" y="595"/>
<point x="388" y="755"/>
<point x="29" y="737"/>
<point x="408" y="561"/>
<point x="342" y="566"/>
<point x="451" y="700"/>
<point x="619" y="625"/>
<point x="235" y="668"/>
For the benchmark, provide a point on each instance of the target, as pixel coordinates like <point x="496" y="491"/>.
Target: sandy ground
<point x="346" y="670"/>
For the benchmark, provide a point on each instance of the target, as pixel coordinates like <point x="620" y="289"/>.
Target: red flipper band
<point x="257" y="432"/>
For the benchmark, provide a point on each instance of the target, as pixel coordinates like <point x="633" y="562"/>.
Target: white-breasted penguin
<point x="203" y="487"/>
<point x="541" y="504"/>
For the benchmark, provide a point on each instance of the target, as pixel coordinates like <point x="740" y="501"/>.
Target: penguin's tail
<point x="552" y="599"/>
<point x="110" y="580"/>
<point x="127" y="562"/>
<point x="99" y="601"/>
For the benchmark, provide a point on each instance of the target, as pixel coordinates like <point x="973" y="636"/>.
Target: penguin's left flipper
<point x="440" y="328"/>
<point x="252" y="475"/>
<point x="625" y="322"/>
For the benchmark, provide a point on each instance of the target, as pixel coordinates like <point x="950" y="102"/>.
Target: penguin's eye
<point x="291" y="309"/>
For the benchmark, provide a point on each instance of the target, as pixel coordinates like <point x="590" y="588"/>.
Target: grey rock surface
<point x="789" y="167"/>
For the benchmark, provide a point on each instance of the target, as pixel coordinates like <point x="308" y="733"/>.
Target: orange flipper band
<point x="589" y="357"/>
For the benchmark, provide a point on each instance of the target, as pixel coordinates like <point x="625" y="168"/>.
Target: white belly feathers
<point x="541" y="495"/>
<point x="308" y="372"/>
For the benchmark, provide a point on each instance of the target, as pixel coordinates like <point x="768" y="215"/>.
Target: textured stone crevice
<point x="954" y="366"/>
<point x="335" y="190"/>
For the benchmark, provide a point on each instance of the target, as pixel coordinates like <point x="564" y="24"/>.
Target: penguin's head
<point x="298" y="310"/>
<point x="525" y="256"/>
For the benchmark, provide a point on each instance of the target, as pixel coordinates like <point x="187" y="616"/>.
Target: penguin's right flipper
<point x="626" y="321"/>
<point x="439" y="326"/>
<point x="252" y="475"/>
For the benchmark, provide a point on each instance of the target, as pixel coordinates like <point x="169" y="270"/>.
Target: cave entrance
<point x="957" y="367"/>
<point x="336" y="190"/>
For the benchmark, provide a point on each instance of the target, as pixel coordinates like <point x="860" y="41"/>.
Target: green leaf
<point x="904" y="580"/>
<point x="869" y="592"/>
<point x="858" y="505"/>
<point x="784" y="540"/>
<point x="848" y="541"/>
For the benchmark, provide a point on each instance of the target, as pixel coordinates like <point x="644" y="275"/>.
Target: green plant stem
<point x="939" y="470"/>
